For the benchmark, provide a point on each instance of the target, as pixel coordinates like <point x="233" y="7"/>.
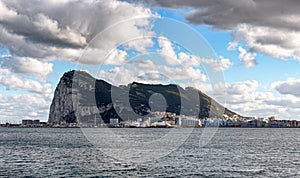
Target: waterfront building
<point x="229" y="123"/>
<point x="31" y="123"/>
<point x="274" y="124"/>
<point x="113" y="121"/>
<point x="190" y="122"/>
<point x="151" y="120"/>
<point x="36" y="122"/>
<point x="27" y="122"/>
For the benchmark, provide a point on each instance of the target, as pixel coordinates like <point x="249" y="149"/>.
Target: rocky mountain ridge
<point x="79" y="97"/>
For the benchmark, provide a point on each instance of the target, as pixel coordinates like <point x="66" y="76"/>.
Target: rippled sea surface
<point x="232" y="152"/>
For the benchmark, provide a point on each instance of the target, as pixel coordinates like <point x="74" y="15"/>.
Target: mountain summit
<point x="79" y="97"/>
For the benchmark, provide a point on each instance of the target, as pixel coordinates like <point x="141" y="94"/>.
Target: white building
<point x="189" y="122"/>
<point x="113" y="121"/>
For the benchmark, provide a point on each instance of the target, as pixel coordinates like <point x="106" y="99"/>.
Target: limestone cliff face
<point x="61" y="108"/>
<point x="64" y="107"/>
<point x="81" y="98"/>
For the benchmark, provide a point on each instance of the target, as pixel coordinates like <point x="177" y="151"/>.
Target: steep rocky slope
<point x="80" y="98"/>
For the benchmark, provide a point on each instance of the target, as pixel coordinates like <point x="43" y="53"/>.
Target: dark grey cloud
<point x="226" y="14"/>
<point x="270" y="27"/>
<point x="60" y="29"/>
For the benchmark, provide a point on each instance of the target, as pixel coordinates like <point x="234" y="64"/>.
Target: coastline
<point x="221" y="127"/>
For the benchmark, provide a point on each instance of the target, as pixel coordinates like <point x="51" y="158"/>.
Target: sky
<point x="242" y="53"/>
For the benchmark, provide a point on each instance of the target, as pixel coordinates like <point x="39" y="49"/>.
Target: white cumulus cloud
<point x="28" y="66"/>
<point x="17" y="82"/>
<point x="247" y="58"/>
